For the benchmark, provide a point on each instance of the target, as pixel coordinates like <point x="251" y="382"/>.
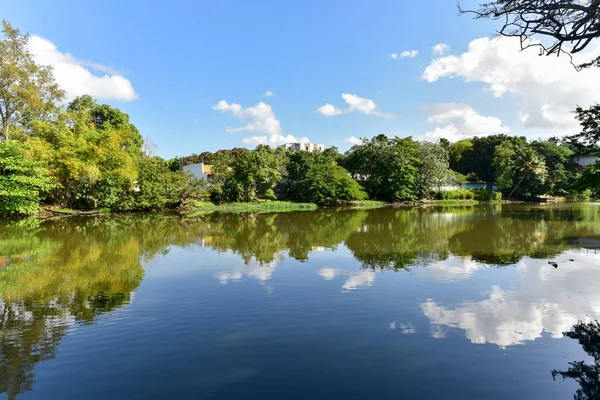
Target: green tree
<point x="458" y="151"/>
<point x="245" y="176"/>
<point x="27" y="90"/>
<point x="434" y="168"/>
<point x="589" y="180"/>
<point x="316" y="178"/>
<point x="558" y="161"/>
<point x="22" y="182"/>
<point x="519" y="169"/>
<point x="386" y="168"/>
<point x="589" y="138"/>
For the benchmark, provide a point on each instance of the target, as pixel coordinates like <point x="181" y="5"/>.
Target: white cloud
<point x="329" y="111"/>
<point x="259" y="119"/>
<point x="548" y="300"/>
<point x="404" y="54"/>
<point x="73" y="76"/>
<point x="355" y="103"/>
<point x="548" y="88"/>
<point x="409" y="53"/>
<point x="268" y="93"/>
<point x="460" y="121"/>
<point x="353" y="140"/>
<point x="355" y="280"/>
<point x="440" y="49"/>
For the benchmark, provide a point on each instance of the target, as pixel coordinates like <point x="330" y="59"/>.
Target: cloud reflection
<point x="355" y="280"/>
<point x="548" y="300"/>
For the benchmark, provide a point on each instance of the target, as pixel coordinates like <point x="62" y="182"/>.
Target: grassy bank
<point x="206" y="207"/>
<point x="364" y="204"/>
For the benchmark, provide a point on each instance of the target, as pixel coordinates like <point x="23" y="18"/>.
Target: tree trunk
<point x="515" y="188"/>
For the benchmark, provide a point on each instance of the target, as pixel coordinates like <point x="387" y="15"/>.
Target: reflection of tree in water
<point x="65" y="271"/>
<point x="395" y="238"/>
<point x="587" y="375"/>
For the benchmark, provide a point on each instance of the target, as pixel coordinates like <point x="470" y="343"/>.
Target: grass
<point x="455" y="201"/>
<point x="366" y="204"/>
<point x="206" y="207"/>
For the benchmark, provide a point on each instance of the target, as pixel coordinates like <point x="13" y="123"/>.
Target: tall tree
<point x="434" y="169"/>
<point x="589" y="138"/>
<point x="386" y="168"/>
<point x="518" y="166"/>
<point x="27" y="90"/>
<point x="575" y="23"/>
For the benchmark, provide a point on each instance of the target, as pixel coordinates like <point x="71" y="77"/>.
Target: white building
<point x="200" y="171"/>
<point x="304" y="146"/>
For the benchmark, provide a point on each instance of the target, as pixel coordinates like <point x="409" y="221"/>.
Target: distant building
<point x="304" y="146"/>
<point x="200" y="171"/>
<point x="585" y="160"/>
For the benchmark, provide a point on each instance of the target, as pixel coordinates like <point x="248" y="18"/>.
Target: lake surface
<point x="426" y="303"/>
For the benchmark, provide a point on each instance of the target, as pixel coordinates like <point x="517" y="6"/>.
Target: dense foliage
<point x="316" y="178"/>
<point x="387" y="168"/>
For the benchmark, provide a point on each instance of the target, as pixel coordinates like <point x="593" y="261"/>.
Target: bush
<point x="459" y="194"/>
<point x="487" y="195"/>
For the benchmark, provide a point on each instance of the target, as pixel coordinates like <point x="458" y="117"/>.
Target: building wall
<point x="304" y="146"/>
<point x="198" y="170"/>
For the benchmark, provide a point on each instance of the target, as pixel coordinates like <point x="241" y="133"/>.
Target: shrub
<point x="487" y="195"/>
<point x="459" y="194"/>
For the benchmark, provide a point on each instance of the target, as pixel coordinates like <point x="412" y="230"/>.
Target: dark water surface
<point x="436" y="303"/>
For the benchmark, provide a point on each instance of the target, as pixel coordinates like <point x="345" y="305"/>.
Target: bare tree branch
<point x="570" y="24"/>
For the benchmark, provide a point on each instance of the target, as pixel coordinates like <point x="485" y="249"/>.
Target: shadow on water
<point x="70" y="271"/>
<point x="587" y="375"/>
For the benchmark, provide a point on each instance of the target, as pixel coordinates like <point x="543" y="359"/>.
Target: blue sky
<point x="186" y="71"/>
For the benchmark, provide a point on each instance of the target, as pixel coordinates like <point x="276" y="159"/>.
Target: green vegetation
<point x="206" y="207"/>
<point x="89" y="156"/>
<point x="456" y="195"/>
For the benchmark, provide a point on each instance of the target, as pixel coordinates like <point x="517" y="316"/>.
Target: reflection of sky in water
<point x="546" y="300"/>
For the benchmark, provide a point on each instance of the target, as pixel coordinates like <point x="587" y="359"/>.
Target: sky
<point x="202" y="75"/>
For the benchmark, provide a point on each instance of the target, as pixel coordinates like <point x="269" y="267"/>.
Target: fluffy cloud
<point x="404" y="54"/>
<point x="548" y="300"/>
<point x="354" y="280"/>
<point x="329" y="111"/>
<point x="440" y="49"/>
<point x="460" y="121"/>
<point x="268" y="93"/>
<point x="74" y="76"/>
<point x="548" y="87"/>
<point x="355" y="103"/>
<point x="259" y="119"/>
<point x="353" y="140"/>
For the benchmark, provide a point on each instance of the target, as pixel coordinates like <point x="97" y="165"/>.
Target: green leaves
<point x="22" y="182"/>
<point x="386" y="168"/>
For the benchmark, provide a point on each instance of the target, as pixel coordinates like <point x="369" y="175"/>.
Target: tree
<point x="518" y="164"/>
<point x="558" y="162"/>
<point x="457" y="152"/>
<point x="316" y="178"/>
<point x="22" y="181"/>
<point x="589" y="138"/>
<point x="245" y="176"/>
<point x="589" y="180"/>
<point x="386" y="168"/>
<point x="573" y="22"/>
<point x="27" y="90"/>
<point x="434" y="169"/>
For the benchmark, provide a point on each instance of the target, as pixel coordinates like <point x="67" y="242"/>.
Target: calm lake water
<point x="426" y="303"/>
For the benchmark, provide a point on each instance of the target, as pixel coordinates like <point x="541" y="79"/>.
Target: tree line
<point x="86" y="155"/>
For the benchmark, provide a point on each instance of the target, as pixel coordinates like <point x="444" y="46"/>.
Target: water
<point x="447" y="303"/>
